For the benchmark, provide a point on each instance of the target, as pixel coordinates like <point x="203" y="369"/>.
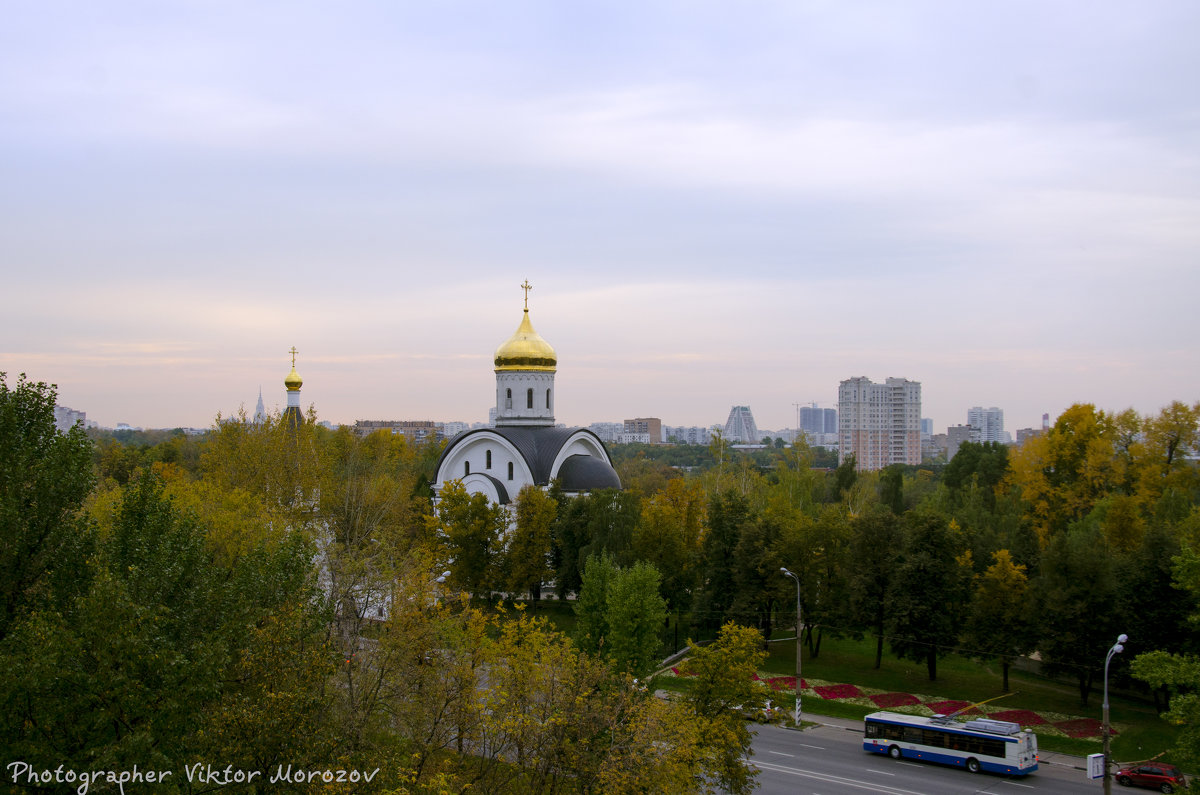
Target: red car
<point x="1153" y="775"/>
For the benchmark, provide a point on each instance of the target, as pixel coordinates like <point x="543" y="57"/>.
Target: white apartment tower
<point x="988" y="424"/>
<point x="879" y="424"/>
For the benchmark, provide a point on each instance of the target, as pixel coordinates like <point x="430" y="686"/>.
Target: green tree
<point x="930" y="582"/>
<point x="1077" y="599"/>
<point x="876" y="541"/>
<point x="44" y="478"/>
<point x="620" y="613"/>
<point x="999" y="622"/>
<point x="528" y="553"/>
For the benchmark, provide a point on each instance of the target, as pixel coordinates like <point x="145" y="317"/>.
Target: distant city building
<point x="814" y="420"/>
<point x="414" y="430"/>
<point x="956" y="436"/>
<point x="452" y="429"/>
<point x="65" y="418"/>
<point x="650" y="427"/>
<point x="607" y="431"/>
<point x="740" y="426"/>
<point x="926" y="427"/>
<point x="988" y="424"/>
<point x="1024" y="434"/>
<point x="687" y="434"/>
<point x="879" y="424"/>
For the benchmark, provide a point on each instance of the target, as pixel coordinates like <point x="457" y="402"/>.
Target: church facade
<point x="525" y="447"/>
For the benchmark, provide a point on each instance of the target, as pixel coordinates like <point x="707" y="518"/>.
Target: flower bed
<point x="949" y="707"/>
<point x="830" y="692"/>
<point x="890" y="700"/>
<point x="1025" y="717"/>
<point x="1082" y="727"/>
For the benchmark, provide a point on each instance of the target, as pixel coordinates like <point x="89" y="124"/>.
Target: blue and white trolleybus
<point x="997" y="746"/>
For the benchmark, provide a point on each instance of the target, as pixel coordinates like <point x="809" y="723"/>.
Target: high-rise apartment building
<point x="988" y="424"/>
<point x="814" y="420"/>
<point x="740" y="427"/>
<point x="879" y="424"/>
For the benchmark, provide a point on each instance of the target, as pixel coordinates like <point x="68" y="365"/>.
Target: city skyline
<point x="1000" y="201"/>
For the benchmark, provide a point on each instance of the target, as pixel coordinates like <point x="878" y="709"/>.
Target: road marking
<point x="849" y="782"/>
<point x="878" y="772"/>
<point x="781" y="753"/>
<point x="816" y="747"/>
<point x="1015" y="784"/>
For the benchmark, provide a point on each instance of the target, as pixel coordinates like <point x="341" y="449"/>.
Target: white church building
<point x="525" y="447"/>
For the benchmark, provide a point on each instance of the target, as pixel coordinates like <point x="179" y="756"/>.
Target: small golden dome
<point x="293" y="382"/>
<point x="526" y="350"/>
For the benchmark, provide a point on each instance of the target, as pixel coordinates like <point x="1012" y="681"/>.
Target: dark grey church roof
<point x="585" y="473"/>
<point x="540" y="446"/>
<point x="501" y="492"/>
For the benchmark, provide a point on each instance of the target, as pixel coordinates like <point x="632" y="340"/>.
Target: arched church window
<point x="529" y="399"/>
<point x="547" y="398"/>
<point x="510" y="470"/>
<point x="508" y="399"/>
<point x="466" y="467"/>
<point x="488" y="465"/>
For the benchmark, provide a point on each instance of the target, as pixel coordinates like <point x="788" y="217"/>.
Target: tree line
<point x="310" y="561"/>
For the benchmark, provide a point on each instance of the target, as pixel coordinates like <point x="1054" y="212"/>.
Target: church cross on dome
<point x="293" y="352"/>
<point x="526" y="287"/>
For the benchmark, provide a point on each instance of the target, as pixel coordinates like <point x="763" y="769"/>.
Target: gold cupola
<point x="292" y="381"/>
<point x="525" y="349"/>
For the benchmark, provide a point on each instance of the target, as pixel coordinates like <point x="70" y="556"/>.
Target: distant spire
<point x="260" y="413"/>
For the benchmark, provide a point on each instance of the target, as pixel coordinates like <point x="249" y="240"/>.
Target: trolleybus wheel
<point x="894" y="752"/>
<point x="973" y="765"/>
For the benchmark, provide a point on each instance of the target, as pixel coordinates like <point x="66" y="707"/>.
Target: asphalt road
<point x="829" y="760"/>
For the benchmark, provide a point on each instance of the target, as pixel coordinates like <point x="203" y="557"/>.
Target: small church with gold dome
<point x="525" y="447"/>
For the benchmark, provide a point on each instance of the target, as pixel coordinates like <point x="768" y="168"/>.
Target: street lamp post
<point x="799" y="625"/>
<point x="1116" y="649"/>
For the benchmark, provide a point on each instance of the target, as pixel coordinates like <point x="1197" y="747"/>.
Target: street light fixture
<point x="799" y="626"/>
<point x="1116" y="649"/>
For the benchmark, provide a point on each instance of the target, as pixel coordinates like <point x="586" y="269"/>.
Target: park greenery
<point x="272" y="593"/>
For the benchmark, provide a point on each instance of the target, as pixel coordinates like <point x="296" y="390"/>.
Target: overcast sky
<point x="716" y="204"/>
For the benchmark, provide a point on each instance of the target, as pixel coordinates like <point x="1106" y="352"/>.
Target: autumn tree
<point x="722" y="685"/>
<point x="470" y="530"/>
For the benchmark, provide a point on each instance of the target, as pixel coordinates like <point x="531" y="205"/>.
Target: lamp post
<point x="799" y="625"/>
<point x="1116" y="649"/>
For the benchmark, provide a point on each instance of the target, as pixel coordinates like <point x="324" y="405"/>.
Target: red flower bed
<point x="947" y="707"/>
<point x="1025" y="717"/>
<point x="785" y="683"/>
<point x="888" y="700"/>
<point x="830" y="692"/>
<point x="677" y="672"/>
<point x="1082" y="727"/>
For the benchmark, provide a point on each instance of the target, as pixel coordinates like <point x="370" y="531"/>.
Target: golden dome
<point x="293" y="382"/>
<point x="526" y="350"/>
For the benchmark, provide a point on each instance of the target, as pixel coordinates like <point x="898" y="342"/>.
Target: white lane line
<point x="846" y="782"/>
<point x="1015" y="784"/>
<point x="814" y="747"/>
<point x="781" y="753"/>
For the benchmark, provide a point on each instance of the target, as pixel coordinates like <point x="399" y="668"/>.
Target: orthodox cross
<point x="526" y="287"/>
<point x="293" y="352"/>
